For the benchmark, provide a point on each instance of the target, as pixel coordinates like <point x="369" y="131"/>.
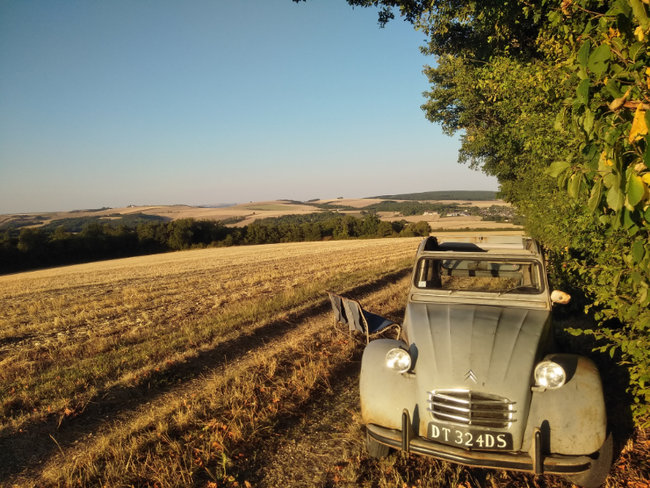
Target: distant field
<point x="207" y="368"/>
<point x="249" y="212"/>
<point x="245" y="214"/>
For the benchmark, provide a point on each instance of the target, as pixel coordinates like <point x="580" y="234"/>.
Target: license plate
<point x="469" y="438"/>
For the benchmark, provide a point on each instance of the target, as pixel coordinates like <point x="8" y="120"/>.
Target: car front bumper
<point x="517" y="461"/>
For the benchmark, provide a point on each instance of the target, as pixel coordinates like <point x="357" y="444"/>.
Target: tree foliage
<point x="553" y="98"/>
<point x="606" y="61"/>
<point x="37" y="247"/>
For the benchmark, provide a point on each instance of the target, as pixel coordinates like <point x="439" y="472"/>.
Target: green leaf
<point x="559" y="120"/>
<point x="583" y="91"/>
<point x="612" y="180"/>
<point x="612" y="134"/>
<point x="619" y="7"/>
<point x="639" y="13"/>
<point x="598" y="59"/>
<point x="643" y="296"/>
<point x="615" y="198"/>
<point x="613" y="88"/>
<point x="638" y="251"/>
<point x="595" y="196"/>
<point x="563" y="179"/>
<point x="635" y="189"/>
<point x="583" y="53"/>
<point x="591" y="156"/>
<point x="574" y="332"/>
<point x="617" y="68"/>
<point x="619" y="45"/>
<point x="635" y="49"/>
<point x="574" y="185"/>
<point x="646" y="154"/>
<point x="628" y="222"/>
<point x="588" y="123"/>
<point x="557" y="168"/>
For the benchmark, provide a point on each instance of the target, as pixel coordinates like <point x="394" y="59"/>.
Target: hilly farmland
<point x="468" y="210"/>
<point x="209" y="368"/>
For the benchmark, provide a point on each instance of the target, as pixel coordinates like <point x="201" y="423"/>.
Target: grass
<point x="78" y="340"/>
<point x="207" y="368"/>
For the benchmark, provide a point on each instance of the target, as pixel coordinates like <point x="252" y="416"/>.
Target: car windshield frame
<point x="485" y="274"/>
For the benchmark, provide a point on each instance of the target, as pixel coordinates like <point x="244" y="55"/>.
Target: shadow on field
<point x="309" y="442"/>
<point x="36" y="443"/>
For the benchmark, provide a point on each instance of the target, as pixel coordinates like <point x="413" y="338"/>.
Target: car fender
<point x="572" y="418"/>
<point x="384" y="393"/>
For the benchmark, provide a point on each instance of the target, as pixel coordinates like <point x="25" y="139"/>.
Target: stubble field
<point x="215" y="367"/>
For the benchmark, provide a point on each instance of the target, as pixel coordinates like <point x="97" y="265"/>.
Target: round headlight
<point x="398" y="360"/>
<point x="549" y="375"/>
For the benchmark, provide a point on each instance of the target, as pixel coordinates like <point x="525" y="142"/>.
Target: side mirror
<point x="560" y="297"/>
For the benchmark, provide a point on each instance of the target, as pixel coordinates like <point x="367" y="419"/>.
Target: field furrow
<point x="211" y="427"/>
<point x="67" y="386"/>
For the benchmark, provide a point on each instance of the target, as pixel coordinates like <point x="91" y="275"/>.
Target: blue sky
<point x="209" y="101"/>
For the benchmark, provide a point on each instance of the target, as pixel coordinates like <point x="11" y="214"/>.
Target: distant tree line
<point x="31" y="247"/>
<point x="413" y="207"/>
<point x="76" y="224"/>
<point x="496" y="213"/>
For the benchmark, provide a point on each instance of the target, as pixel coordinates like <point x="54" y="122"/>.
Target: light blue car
<point x="475" y="379"/>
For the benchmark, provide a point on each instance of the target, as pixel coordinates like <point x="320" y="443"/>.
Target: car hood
<point x="486" y="349"/>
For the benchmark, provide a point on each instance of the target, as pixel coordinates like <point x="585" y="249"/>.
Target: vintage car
<point x="476" y="378"/>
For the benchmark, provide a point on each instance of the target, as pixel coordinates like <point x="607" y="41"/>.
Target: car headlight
<point x="398" y="360"/>
<point x="549" y="375"/>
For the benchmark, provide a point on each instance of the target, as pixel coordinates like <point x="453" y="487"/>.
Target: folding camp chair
<point x="349" y="312"/>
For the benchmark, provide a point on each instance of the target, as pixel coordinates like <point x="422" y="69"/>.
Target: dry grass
<point x="208" y="368"/>
<point x="80" y="339"/>
<point x="69" y="333"/>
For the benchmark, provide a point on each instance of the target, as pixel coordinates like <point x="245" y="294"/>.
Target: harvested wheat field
<point x="208" y="368"/>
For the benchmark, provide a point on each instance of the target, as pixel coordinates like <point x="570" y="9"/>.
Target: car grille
<point x="471" y="408"/>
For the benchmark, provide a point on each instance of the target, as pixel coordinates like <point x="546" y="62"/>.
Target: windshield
<point x="460" y="274"/>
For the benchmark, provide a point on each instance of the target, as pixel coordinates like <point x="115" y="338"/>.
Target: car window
<point x="482" y="275"/>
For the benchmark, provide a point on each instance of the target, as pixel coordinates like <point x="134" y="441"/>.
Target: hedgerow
<point x="553" y="98"/>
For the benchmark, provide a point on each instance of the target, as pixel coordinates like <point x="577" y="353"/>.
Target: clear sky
<point x="210" y="101"/>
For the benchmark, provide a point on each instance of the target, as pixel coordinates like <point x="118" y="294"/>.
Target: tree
<point x="421" y="228"/>
<point x="311" y="231"/>
<point x="347" y="227"/>
<point x="32" y="241"/>
<point x="369" y="225"/>
<point x="384" y="229"/>
<point x="180" y="234"/>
